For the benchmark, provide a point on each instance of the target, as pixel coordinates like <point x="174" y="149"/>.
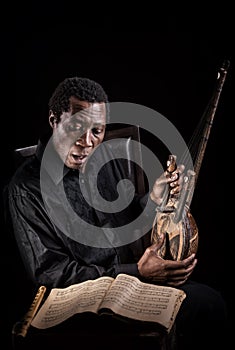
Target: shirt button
<point x="82" y="181"/>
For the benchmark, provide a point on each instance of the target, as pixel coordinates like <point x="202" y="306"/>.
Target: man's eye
<point x="73" y="128"/>
<point x="97" y="131"/>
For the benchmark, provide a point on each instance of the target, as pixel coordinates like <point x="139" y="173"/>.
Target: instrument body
<point x="181" y="238"/>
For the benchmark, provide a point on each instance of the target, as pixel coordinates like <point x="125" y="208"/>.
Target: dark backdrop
<point x="171" y="71"/>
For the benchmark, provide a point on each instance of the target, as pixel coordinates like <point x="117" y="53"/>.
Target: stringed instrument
<point x="174" y="219"/>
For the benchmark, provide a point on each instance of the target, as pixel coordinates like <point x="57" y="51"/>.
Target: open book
<point x="125" y="296"/>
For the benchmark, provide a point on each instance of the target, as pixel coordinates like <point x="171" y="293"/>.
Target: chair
<point x="114" y="334"/>
<point x="20" y="154"/>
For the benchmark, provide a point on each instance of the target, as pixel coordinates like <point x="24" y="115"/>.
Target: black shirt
<point x="62" y="235"/>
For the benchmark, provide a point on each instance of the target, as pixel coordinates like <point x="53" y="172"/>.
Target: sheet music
<point x="64" y="303"/>
<point x="131" y="298"/>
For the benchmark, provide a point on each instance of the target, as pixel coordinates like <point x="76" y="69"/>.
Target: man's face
<point x="79" y="131"/>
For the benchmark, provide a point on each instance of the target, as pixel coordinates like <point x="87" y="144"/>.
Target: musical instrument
<point x="21" y="328"/>
<point x="174" y="219"/>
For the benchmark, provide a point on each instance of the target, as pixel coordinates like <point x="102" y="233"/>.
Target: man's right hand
<point x="168" y="272"/>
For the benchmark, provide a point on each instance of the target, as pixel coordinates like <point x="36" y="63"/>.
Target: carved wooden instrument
<point x="174" y="219"/>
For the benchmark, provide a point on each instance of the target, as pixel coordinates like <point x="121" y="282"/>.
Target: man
<point x="63" y="239"/>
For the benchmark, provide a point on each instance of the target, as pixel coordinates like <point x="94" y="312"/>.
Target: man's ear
<point x="52" y="119"/>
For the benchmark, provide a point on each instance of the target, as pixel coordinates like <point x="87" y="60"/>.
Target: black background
<point x="171" y="69"/>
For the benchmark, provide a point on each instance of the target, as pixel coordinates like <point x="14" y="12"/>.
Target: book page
<point x="134" y="299"/>
<point x="63" y="303"/>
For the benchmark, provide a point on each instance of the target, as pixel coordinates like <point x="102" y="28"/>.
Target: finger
<point x="180" y="168"/>
<point x="179" y="264"/>
<point x="175" y="189"/>
<point x="176" y="283"/>
<point x="174" y="265"/>
<point x="189" y="260"/>
<point x="181" y="274"/>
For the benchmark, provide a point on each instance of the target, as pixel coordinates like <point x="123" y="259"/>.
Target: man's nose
<point x="85" y="140"/>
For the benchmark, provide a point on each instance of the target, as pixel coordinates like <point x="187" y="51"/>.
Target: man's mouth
<point x="78" y="159"/>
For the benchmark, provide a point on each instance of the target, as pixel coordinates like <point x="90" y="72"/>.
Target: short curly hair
<point x="82" y="88"/>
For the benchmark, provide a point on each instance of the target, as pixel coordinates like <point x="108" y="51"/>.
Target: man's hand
<point x="169" y="272"/>
<point x="173" y="180"/>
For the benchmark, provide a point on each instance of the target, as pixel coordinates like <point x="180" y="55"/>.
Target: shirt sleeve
<point x="129" y="269"/>
<point x="45" y="254"/>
